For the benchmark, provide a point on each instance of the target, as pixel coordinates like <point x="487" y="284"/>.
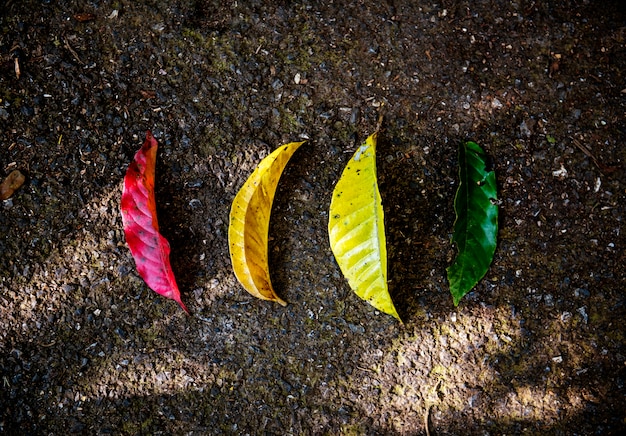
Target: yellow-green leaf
<point x="250" y="222"/>
<point x="356" y="229"/>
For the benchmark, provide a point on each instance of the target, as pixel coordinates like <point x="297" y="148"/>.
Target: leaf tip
<point x="183" y="306"/>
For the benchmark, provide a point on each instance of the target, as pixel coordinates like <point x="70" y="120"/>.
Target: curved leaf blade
<point x="149" y="248"/>
<point x="250" y="221"/>
<point x="356" y="229"/>
<point x="476" y="225"/>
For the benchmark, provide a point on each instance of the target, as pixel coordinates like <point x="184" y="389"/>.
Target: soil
<point x="537" y="348"/>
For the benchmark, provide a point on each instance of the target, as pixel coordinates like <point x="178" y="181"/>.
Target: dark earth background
<point x="87" y="348"/>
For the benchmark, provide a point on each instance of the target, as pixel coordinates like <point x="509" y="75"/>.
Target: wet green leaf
<point x="357" y="231"/>
<point x="476" y="225"/>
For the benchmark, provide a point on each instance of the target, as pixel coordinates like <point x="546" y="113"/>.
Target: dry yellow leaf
<point x="250" y="221"/>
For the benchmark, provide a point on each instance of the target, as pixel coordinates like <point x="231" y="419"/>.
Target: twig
<point x="203" y="319"/>
<point x="67" y="46"/>
<point x="427" y="419"/>
<point x="429" y="401"/>
<point x="601" y="166"/>
<point x="381" y="116"/>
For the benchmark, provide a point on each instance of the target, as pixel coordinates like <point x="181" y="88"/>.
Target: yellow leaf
<point x="250" y="222"/>
<point x="356" y="229"/>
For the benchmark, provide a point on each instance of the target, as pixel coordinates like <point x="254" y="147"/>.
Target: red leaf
<point x="149" y="248"/>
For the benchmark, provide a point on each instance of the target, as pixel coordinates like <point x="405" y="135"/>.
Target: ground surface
<point x="538" y="348"/>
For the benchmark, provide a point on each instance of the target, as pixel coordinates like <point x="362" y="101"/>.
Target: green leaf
<point x="476" y="225"/>
<point x="356" y="229"/>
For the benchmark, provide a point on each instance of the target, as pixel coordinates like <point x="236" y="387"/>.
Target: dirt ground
<point x="87" y="348"/>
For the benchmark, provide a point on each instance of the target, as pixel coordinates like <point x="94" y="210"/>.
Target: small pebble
<point x="583" y="313"/>
<point x="581" y="292"/>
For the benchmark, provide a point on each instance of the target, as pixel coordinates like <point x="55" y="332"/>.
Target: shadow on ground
<point x="538" y="347"/>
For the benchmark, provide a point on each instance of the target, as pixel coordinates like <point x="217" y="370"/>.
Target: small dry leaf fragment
<point x="249" y="224"/>
<point x="17" y="54"/>
<point x="84" y="17"/>
<point x="11" y="184"/>
<point x="147" y="94"/>
<point x="18" y="70"/>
